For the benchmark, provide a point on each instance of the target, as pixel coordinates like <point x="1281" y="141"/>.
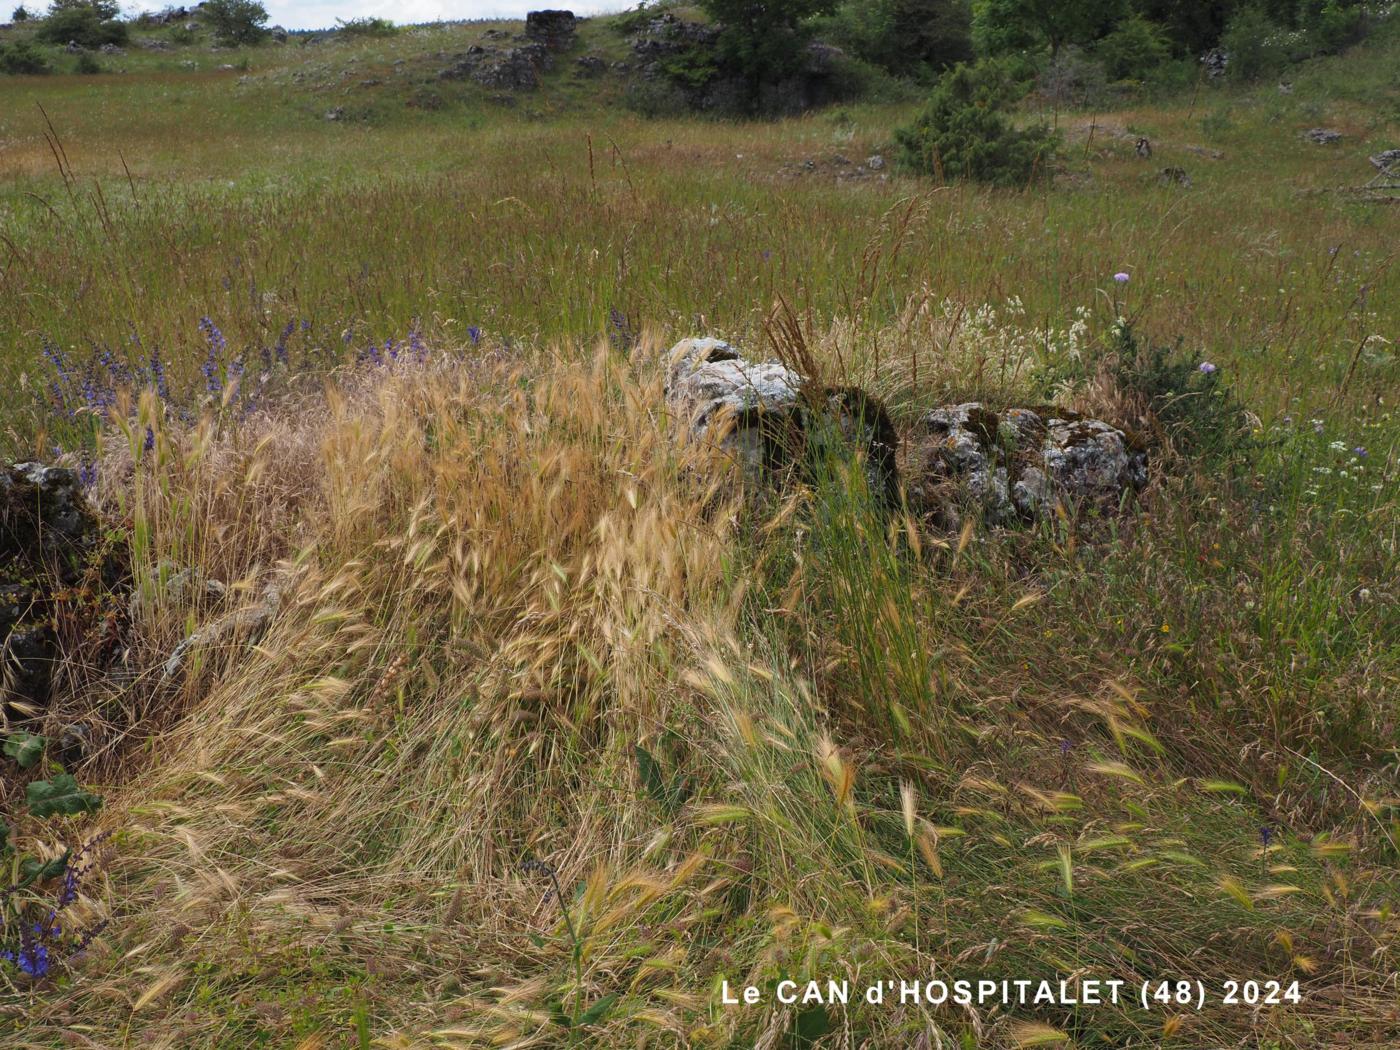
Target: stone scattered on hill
<point x="836" y="166"/>
<point x="511" y="68"/>
<point x="590" y="66"/>
<point x="1386" y="160"/>
<point x="1322" y="136"/>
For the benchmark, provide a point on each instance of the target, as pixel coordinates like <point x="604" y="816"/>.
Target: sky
<point x="321" y="14"/>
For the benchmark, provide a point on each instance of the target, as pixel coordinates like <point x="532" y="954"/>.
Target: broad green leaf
<point x="25" y="748"/>
<point x="60" y="795"/>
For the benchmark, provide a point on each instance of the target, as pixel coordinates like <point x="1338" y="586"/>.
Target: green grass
<point x="871" y="750"/>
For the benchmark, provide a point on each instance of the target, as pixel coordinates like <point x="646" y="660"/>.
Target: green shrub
<point x="22" y="57"/>
<point x="366" y="27"/>
<point x="87" y="25"/>
<point x="1257" y="46"/>
<point x="965" y="131"/>
<point x="87" y="65"/>
<point x="1187" y="398"/>
<point x="235" y="22"/>
<point x="917" y="38"/>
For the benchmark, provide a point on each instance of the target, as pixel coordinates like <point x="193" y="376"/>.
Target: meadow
<point x="550" y="735"/>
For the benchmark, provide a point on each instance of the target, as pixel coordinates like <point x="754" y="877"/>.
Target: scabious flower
<point x="1360" y="452"/>
<point x="1207" y="368"/>
<point x="1121" y="277"/>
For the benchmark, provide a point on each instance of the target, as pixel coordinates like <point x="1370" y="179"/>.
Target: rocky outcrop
<point x="510" y="69"/>
<point x="766" y="417"/>
<point x="556" y="30"/>
<point x="1387" y="161"/>
<point x="1003" y="467"/>
<point x="1022" y="464"/>
<point x="49" y="548"/>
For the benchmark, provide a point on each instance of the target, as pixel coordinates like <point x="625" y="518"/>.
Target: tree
<point x="1001" y="26"/>
<point x="21" y="14"/>
<point x="102" y="10"/>
<point x="907" y="37"/>
<point x="965" y="131"/>
<point x="87" y="24"/>
<point x="762" y="41"/>
<point x="1135" y="47"/>
<point x="235" y="22"/>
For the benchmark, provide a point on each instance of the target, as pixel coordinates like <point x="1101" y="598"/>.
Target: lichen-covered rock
<point x="1322" y="136"/>
<point x="241" y="626"/>
<point x="554" y="29"/>
<point x="512" y="68"/>
<point x="764" y="415"/>
<point x="1021" y="464"/>
<point x="751" y="411"/>
<point x="47" y="535"/>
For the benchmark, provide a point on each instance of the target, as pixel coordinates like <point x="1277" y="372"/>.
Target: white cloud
<point x="322" y="14"/>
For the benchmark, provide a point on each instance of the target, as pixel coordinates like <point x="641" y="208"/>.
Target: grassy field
<point x="549" y="738"/>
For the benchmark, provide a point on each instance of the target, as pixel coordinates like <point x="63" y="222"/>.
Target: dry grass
<point x="751" y="738"/>
<point x="499" y="580"/>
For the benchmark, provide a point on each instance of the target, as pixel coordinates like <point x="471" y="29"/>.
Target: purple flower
<point x="150" y="441"/>
<point x="474" y="334"/>
<point x="1120" y="277"/>
<point x="1266" y="835"/>
<point x="1207" y="368"/>
<point x="32" y="957"/>
<point x="1360" y="452"/>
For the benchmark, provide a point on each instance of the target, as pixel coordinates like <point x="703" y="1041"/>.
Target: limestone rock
<point x="513" y="68"/>
<point x="47" y="533"/>
<point x="554" y="29"/>
<point x="765" y="416"/>
<point x="242" y="626"/>
<point x="1322" y="136"/>
<point x="1021" y="464"/>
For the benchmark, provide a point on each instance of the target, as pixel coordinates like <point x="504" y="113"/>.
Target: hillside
<point x="413" y="648"/>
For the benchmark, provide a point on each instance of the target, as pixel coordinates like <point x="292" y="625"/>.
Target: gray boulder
<point x="243" y="626"/>
<point x="1019" y="465"/>
<point x="1387" y="160"/>
<point x="1322" y="136"/>
<point x="554" y="29"/>
<point x="765" y="416"/>
<point x="48" y="542"/>
<point x="590" y="66"/>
